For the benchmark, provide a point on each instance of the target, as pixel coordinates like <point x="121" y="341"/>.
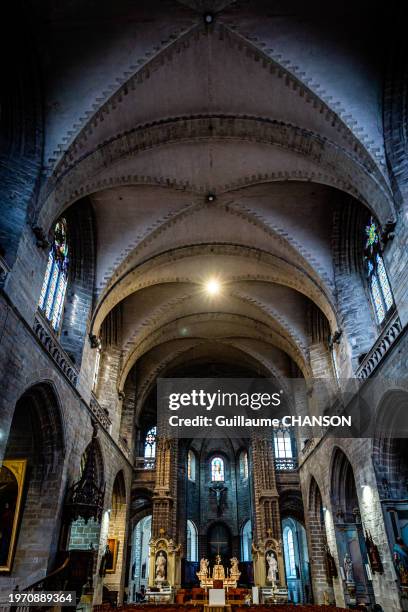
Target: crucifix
<point x="219" y="488"/>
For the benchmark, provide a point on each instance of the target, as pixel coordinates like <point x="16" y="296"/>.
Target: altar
<point x="217" y="577"/>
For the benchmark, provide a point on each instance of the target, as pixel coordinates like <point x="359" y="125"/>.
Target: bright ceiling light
<point x="213" y="286"/>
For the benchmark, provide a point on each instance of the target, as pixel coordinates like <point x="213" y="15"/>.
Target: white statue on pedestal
<point x="161" y="562"/>
<point x="272" y="568"/>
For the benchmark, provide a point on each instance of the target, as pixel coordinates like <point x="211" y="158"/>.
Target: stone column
<point x="165" y="500"/>
<point x="267" y="528"/>
<point x="165" y="490"/>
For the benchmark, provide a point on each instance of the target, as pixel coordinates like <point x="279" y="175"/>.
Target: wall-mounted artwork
<point x="113" y="545"/>
<point x="12" y="475"/>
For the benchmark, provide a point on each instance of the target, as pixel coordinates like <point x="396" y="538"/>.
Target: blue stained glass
<point x="378" y="303"/>
<point x="51" y="292"/>
<point x="150" y="444"/>
<point x="385" y="285"/>
<point x="59" y="300"/>
<point x="55" y="280"/>
<point x="217" y="469"/>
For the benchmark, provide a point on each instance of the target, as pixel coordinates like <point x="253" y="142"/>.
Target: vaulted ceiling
<point x="274" y="113"/>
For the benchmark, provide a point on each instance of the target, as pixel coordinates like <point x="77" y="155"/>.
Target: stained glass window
<point x="56" y="276"/>
<point x="385" y="285"/>
<point x="377" y="299"/>
<point x="150" y="448"/>
<point x="379" y="284"/>
<point x="217" y="469"/>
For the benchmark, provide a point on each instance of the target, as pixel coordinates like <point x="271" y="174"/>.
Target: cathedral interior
<point x="203" y="189"/>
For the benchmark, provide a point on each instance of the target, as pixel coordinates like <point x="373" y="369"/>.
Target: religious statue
<point x="272" y="568"/>
<point x="348" y="568"/>
<point x="161" y="563"/>
<point x="400" y="554"/>
<point x="373" y="554"/>
<point x="218" y="569"/>
<point x="234" y="571"/>
<point x="204" y="563"/>
<point x="219" y="489"/>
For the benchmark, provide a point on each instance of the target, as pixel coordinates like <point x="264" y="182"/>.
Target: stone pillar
<point x="268" y="532"/>
<point x="165" y="502"/>
<point x="106" y="392"/>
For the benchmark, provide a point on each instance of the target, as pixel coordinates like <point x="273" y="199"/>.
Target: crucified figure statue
<point x="219" y="488"/>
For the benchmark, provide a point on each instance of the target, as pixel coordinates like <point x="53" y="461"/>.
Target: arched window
<point x="284" y="450"/>
<point x="56" y="276"/>
<point x="378" y="282"/>
<point x="243" y="465"/>
<point x="290" y="552"/>
<point x="246" y="542"/>
<point x="191" y="466"/>
<point x="217" y="469"/>
<point x="192" y="542"/>
<point x="150" y="448"/>
<point x="282" y="444"/>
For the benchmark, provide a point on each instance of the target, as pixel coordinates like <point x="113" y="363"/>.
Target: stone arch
<point x="117" y="533"/>
<point x="80" y="288"/>
<point x="365" y="185"/>
<point x="389" y="453"/>
<point x="348" y="529"/>
<point x="348" y="239"/>
<point x="343" y="490"/>
<point x="291" y="505"/>
<point x="316" y="531"/>
<point x="36" y="436"/>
